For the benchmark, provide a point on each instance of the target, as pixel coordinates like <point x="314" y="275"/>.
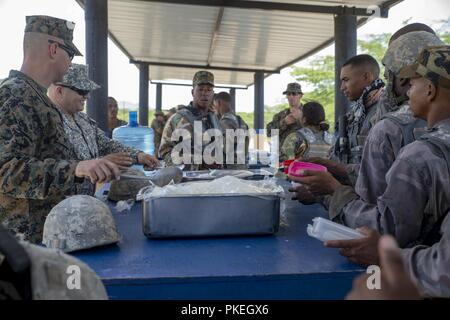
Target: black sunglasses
<point x="81" y="92"/>
<point x="292" y="94"/>
<point x="68" y="50"/>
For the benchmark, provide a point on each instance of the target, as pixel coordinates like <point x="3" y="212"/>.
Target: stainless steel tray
<point x="211" y="215"/>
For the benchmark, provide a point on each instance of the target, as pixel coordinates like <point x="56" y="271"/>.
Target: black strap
<point x="16" y="269"/>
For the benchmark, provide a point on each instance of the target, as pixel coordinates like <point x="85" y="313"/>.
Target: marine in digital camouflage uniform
<point x="417" y="195"/>
<point x="279" y="119"/>
<point x="36" y="170"/>
<point x="88" y="140"/>
<point x="203" y="91"/>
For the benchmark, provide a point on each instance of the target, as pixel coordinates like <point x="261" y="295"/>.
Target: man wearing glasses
<point x="88" y="140"/>
<point x="37" y="161"/>
<point x="288" y="120"/>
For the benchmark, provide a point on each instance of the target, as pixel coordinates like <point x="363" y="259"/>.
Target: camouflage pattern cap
<point x="78" y="77"/>
<point x="404" y="50"/>
<point x="433" y="64"/>
<point x="55" y="27"/>
<point x="293" y="87"/>
<point x="203" y="77"/>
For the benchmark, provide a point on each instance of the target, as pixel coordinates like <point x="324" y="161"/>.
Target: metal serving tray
<point x="211" y="215"/>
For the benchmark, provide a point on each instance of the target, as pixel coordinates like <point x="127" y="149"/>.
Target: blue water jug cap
<point x="132" y="119"/>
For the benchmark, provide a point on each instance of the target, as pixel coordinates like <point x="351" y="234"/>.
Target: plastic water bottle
<point x="136" y="136"/>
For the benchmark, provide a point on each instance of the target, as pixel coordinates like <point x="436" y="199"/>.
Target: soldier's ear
<point x="192" y="92"/>
<point x="432" y="90"/>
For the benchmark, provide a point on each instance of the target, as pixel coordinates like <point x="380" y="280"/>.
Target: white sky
<point x="124" y="78"/>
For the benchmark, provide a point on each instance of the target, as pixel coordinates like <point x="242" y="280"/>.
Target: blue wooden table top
<point x="241" y="267"/>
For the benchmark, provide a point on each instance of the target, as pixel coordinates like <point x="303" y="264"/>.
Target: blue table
<point x="288" y="265"/>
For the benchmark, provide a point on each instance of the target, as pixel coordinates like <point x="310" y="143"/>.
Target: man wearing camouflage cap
<point x="417" y="196"/>
<point x="88" y="140"/>
<point x="198" y="110"/>
<point x="288" y="120"/>
<point x="38" y="166"/>
<point x="424" y="167"/>
<point x="394" y="130"/>
<point x="158" y="124"/>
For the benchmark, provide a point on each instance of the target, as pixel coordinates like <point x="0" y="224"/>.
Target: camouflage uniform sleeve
<point x="429" y="266"/>
<point x="22" y="175"/>
<point x="226" y="123"/>
<point x="276" y="123"/>
<point x="176" y="121"/>
<point x="380" y="150"/>
<point x="400" y="216"/>
<point x="289" y="149"/>
<point x="352" y="172"/>
<point x="107" y="146"/>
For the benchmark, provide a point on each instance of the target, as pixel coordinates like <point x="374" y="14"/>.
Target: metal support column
<point x="158" y="97"/>
<point x="96" y="16"/>
<point x="143" y="94"/>
<point x="258" y="116"/>
<point x="233" y="99"/>
<point x="345" y="47"/>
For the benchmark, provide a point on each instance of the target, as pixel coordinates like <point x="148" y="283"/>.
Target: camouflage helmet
<point x="125" y="189"/>
<point x="203" y="77"/>
<point x="433" y="63"/>
<point x="78" y="77"/>
<point x="54" y="27"/>
<point x="79" y="222"/>
<point x="293" y="87"/>
<point x="404" y="50"/>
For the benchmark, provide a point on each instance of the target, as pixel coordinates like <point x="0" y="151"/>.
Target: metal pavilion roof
<point x="232" y="38"/>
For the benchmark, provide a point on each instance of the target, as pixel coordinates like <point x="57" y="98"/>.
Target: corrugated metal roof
<point x="229" y="37"/>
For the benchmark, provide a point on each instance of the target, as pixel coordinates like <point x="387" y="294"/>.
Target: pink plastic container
<point x="296" y="166"/>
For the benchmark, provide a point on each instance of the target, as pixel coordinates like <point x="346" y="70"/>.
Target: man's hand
<point x="290" y="119"/>
<point x="335" y="168"/>
<point x="395" y="282"/>
<point x="121" y="159"/>
<point x="147" y="160"/>
<point x="303" y="195"/>
<point x="361" y="251"/>
<point x="97" y="170"/>
<point x="317" y="182"/>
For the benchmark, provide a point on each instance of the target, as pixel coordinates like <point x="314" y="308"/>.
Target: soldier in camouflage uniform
<point x="199" y="110"/>
<point x="361" y="84"/>
<point x="288" y="120"/>
<point x="38" y="165"/>
<point x="88" y="140"/>
<point x="230" y="121"/>
<point x="396" y="129"/>
<point x="158" y="127"/>
<point x="421" y="168"/>
<point x="313" y="140"/>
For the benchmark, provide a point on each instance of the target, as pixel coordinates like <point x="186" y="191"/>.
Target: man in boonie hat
<point x="288" y="120"/>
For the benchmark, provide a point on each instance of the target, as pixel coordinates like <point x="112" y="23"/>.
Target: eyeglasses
<point x="68" y="50"/>
<point x="292" y="94"/>
<point x="81" y="92"/>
